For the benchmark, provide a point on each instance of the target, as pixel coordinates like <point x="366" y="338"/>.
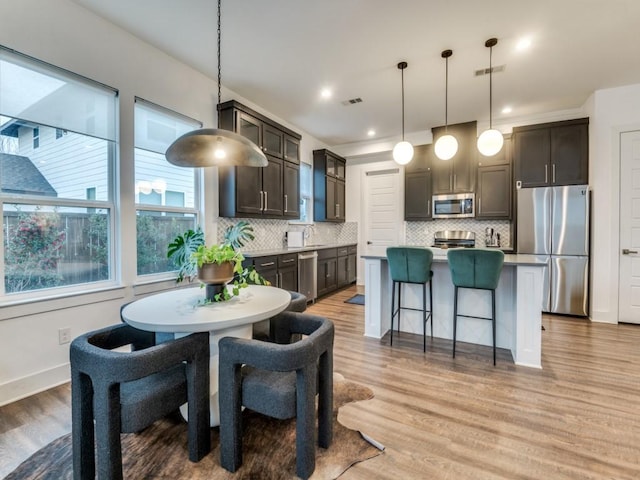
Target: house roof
<point x="19" y="175"/>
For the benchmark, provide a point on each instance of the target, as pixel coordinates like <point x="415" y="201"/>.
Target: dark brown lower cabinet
<point x="280" y="270"/>
<point x="327" y="270"/>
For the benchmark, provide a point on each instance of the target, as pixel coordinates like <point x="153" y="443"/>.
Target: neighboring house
<point x="18" y="175"/>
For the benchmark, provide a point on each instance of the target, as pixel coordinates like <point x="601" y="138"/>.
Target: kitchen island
<point x="518" y="305"/>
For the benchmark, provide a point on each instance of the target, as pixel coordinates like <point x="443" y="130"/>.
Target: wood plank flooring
<point x="462" y="418"/>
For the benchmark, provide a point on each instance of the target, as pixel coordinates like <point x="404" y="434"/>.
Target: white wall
<point x="66" y="35"/>
<point x="611" y="112"/>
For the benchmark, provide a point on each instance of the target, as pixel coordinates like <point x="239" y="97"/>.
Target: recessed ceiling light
<point x="371" y="132"/>
<point x="523" y="44"/>
<point x="507" y="109"/>
<point x="326" y="93"/>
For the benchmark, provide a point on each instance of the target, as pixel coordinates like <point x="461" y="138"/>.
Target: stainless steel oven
<point x="460" y="205"/>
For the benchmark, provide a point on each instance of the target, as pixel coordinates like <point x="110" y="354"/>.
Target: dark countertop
<point x="280" y="251"/>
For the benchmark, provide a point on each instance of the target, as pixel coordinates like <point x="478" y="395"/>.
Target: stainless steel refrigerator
<point x="553" y="223"/>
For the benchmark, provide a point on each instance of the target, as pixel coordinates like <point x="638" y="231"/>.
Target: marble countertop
<point x="440" y="255"/>
<point x="308" y="248"/>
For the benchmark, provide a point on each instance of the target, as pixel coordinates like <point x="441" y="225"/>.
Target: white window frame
<point x="13" y="298"/>
<point x="196" y="210"/>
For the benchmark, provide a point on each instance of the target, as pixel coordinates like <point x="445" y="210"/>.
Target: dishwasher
<point x="307" y="275"/>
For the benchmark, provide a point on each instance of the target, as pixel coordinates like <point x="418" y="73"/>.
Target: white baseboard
<point x="30" y="385"/>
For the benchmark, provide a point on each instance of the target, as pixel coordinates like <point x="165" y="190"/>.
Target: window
<point x="56" y="233"/>
<point x="36" y="137"/>
<point x="306" y="193"/>
<point x="59" y="133"/>
<point x="167" y="197"/>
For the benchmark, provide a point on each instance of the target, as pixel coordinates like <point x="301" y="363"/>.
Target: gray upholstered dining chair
<point x="124" y="392"/>
<point x="281" y="381"/>
<point x="476" y="268"/>
<point x="411" y="265"/>
<point x="264" y="330"/>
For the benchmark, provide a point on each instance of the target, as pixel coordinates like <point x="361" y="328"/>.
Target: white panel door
<point x="382" y="208"/>
<point x="629" y="291"/>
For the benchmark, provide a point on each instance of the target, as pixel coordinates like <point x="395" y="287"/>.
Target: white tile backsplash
<point x="269" y="233"/>
<point x="421" y="233"/>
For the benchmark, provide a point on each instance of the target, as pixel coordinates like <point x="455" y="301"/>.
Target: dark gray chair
<point x="264" y="330"/>
<point x="280" y="381"/>
<point x="126" y="392"/>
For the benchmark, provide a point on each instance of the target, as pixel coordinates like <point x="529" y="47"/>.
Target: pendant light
<point x="490" y="141"/>
<point x="215" y="147"/>
<point x="403" y="151"/>
<point x="447" y="145"/>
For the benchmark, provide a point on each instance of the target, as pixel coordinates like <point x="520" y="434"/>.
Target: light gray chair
<point x="281" y="381"/>
<point x="125" y="392"/>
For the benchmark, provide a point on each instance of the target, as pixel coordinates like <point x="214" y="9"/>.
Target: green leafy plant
<point x="189" y="252"/>
<point x="180" y="251"/>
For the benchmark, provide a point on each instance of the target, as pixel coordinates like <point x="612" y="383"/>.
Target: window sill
<point x="15" y="308"/>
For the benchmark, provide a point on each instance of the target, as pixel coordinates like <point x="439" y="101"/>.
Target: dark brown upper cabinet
<point x="552" y="153"/>
<point x="417" y="184"/>
<point x="272" y="191"/>
<point x="457" y="175"/>
<point x="329" y="175"/>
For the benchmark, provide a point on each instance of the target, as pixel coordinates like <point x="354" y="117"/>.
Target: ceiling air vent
<point x="351" y="101"/>
<point x="486" y="71"/>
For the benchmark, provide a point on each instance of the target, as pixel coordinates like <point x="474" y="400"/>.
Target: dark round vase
<point x="215" y="277"/>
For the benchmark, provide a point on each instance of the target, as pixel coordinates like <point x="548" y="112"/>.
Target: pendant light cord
<point x="402" y="76"/>
<point x="219" y="63"/>
<point x="490" y="87"/>
<point x="446" y="95"/>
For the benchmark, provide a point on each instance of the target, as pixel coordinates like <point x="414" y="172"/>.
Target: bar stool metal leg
<point x="424" y="317"/>
<point x="455" y="318"/>
<point x="493" y="322"/>
<point x="393" y="307"/>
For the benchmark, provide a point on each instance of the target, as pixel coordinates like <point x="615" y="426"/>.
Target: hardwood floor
<point x="462" y="418"/>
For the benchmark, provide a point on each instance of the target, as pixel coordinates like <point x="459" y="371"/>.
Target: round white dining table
<point x="181" y="312"/>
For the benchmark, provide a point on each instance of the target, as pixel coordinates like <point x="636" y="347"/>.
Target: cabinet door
<point x="291" y="190"/>
<point x="341" y="169"/>
<point x="289" y="278"/>
<point x="531" y="154"/>
<point x="494" y="192"/>
<point x="442" y="179"/>
<point x="463" y="164"/>
<point x="330" y="206"/>
<point x="343" y="271"/>
<point x="272" y="187"/>
<point x="272" y="140"/>
<point x="417" y="195"/>
<point x="331" y="279"/>
<point x="249" y="193"/>
<point x="340" y="201"/>
<point x="352" y="268"/>
<point x="570" y="155"/>
<point x="322" y="277"/>
<point x="291" y="149"/>
<point x="422" y="159"/>
<point x="249" y="127"/>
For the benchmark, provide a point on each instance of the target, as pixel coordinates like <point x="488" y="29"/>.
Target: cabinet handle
<point x="455" y="180"/>
<point x="553" y="173"/>
<point x="479" y="205"/>
<point x="429" y="206"/>
<point x="261" y="201"/>
<point x="266" y="201"/>
<point x="286" y="203"/>
<point x="546" y="176"/>
<point x="289" y="260"/>
<point x="268" y="264"/>
<point x="337" y="210"/>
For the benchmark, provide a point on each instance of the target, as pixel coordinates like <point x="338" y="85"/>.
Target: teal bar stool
<point x="411" y="265"/>
<point x="475" y="268"/>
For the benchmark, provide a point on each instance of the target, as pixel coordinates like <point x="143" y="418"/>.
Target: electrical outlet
<point x="64" y="335"/>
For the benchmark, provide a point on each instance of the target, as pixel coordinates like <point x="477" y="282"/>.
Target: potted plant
<point x="216" y="265"/>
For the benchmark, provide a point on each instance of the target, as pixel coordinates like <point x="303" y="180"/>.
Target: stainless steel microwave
<point x="460" y="205"/>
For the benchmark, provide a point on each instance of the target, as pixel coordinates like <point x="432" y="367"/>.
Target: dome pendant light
<point x="447" y="145"/>
<point x="403" y="151"/>
<point x="490" y="141"/>
<point x="215" y="147"/>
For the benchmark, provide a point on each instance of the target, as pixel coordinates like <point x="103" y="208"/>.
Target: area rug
<point x="358" y="299"/>
<point x="160" y="452"/>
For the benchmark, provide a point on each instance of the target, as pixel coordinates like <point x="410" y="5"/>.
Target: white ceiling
<point x="280" y="53"/>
